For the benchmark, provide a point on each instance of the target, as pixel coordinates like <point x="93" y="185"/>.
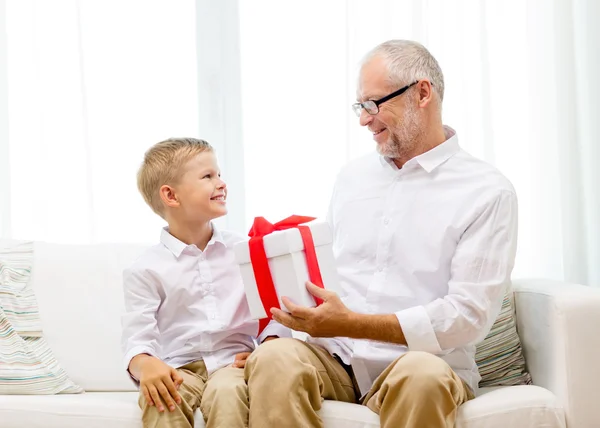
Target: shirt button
<point x="379" y="268"/>
<point x="212" y="316"/>
<point x="202" y="257"/>
<point x="386" y="221"/>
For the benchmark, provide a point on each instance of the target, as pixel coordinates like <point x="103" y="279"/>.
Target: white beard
<point x="406" y="136"/>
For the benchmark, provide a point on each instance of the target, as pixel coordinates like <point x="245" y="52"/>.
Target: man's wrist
<point x="385" y="328"/>
<point x="353" y="324"/>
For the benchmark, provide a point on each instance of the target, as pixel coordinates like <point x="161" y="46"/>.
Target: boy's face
<point x="200" y="193"/>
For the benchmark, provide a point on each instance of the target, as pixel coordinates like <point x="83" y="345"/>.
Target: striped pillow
<point x="27" y="365"/>
<point x="499" y="356"/>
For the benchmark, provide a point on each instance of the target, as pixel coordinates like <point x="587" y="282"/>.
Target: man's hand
<point x="332" y="318"/>
<point x="240" y="360"/>
<point x="157" y="380"/>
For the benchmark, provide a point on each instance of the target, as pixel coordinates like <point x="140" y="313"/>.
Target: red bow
<point x="260" y="264"/>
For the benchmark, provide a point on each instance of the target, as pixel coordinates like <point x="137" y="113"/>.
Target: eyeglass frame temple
<point x="393" y="94"/>
<point x="384" y="99"/>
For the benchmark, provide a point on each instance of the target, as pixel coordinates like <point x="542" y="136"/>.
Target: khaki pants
<point x="222" y="398"/>
<point x="287" y="380"/>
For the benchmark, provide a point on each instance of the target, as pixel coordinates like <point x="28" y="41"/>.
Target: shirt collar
<point x="177" y="247"/>
<point x="433" y="158"/>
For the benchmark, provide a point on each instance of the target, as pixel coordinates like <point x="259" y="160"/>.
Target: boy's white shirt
<point x="183" y="304"/>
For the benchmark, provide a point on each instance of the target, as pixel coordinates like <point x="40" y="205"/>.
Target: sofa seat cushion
<point x="88" y="410"/>
<point x="516" y="406"/>
<point x="512" y="406"/>
<point x="499" y="407"/>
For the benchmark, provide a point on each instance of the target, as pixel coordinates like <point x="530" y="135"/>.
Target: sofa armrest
<point x="559" y="327"/>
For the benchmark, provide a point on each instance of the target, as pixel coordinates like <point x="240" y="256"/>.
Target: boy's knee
<point x="225" y="392"/>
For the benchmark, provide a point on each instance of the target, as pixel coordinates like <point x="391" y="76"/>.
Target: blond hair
<point x="163" y="165"/>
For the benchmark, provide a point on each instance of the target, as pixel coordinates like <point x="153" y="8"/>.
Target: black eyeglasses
<point x="372" y="106"/>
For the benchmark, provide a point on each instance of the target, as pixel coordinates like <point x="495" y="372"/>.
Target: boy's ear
<point x="168" y="196"/>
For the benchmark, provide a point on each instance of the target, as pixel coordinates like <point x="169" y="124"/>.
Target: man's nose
<point x="365" y="118"/>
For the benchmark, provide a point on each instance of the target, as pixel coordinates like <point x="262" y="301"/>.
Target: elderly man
<point x="424" y="239"/>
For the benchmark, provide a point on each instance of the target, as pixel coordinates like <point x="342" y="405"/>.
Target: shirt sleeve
<point x="274" y="329"/>
<point x="139" y="326"/>
<point x="479" y="274"/>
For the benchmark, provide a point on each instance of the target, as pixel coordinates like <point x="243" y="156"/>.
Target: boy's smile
<point x="220" y="198"/>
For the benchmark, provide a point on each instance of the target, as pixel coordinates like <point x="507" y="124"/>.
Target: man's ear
<point x="168" y="196"/>
<point x="425" y="93"/>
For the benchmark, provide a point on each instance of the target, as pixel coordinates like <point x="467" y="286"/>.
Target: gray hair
<point x="407" y="62"/>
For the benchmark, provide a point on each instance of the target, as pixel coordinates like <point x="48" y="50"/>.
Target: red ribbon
<point x="260" y="264"/>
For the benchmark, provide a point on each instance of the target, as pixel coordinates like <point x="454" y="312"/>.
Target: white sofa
<point x="80" y="299"/>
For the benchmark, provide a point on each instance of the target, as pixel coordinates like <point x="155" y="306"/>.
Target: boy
<point x="187" y="329"/>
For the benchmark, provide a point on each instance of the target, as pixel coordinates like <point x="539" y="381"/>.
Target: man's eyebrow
<point x="368" y="97"/>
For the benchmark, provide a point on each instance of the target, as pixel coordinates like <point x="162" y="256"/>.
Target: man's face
<point x="397" y="128"/>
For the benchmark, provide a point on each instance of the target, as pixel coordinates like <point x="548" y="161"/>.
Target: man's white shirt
<point x="433" y="243"/>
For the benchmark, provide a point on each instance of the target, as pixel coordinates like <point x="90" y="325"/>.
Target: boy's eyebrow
<point x="211" y="170"/>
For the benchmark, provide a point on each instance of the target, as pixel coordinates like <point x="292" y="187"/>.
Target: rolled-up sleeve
<point x="480" y="271"/>
<point x="139" y="327"/>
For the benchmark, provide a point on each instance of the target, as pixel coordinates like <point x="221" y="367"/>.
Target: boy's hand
<point x="240" y="360"/>
<point x="157" y="380"/>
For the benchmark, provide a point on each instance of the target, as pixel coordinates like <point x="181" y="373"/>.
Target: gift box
<point x="277" y="252"/>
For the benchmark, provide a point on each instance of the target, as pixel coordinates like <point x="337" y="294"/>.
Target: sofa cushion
<point x="513" y="406"/>
<point x="80" y="297"/>
<point x="516" y="406"/>
<point x="89" y="410"/>
<point x="499" y="356"/>
<point x="27" y="364"/>
<point x="17" y="298"/>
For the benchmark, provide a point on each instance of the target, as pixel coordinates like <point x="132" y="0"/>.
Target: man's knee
<point x="281" y="359"/>
<point x="421" y="368"/>
<point x="274" y="352"/>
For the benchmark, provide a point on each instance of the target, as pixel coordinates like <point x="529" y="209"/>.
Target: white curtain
<point x="86" y="87"/>
<point x="522" y="91"/>
<point x="90" y="86"/>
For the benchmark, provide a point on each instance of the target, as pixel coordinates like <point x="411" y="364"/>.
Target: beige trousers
<point x="222" y="398"/>
<point x="288" y="379"/>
